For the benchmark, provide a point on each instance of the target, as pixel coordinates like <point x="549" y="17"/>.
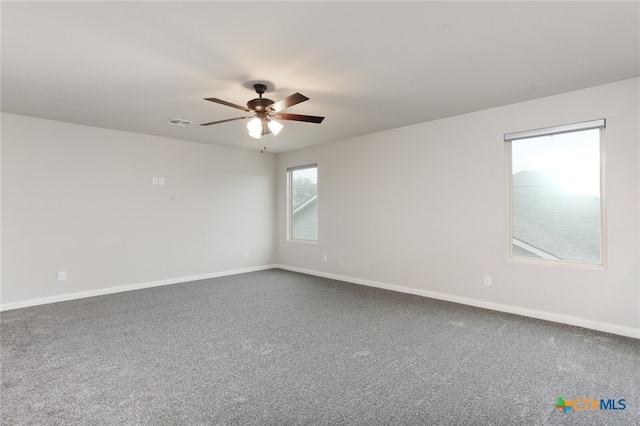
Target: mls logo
<point x="589" y="404"/>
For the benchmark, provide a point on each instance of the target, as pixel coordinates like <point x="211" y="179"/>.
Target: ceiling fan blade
<point x="289" y="101"/>
<point x="220" y="101"/>
<point x="299" y="117"/>
<point x="224" y="121"/>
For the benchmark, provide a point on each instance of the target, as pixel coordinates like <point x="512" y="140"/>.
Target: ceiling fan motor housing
<point x="259" y="104"/>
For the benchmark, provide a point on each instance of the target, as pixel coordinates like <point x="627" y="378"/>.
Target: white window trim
<point x="585" y="125"/>
<point x="548" y="260"/>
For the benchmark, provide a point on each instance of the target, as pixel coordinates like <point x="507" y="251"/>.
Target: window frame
<point x="290" y="208"/>
<point x="508" y="139"/>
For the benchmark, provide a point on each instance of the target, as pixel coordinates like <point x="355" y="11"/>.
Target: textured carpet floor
<point x="281" y="348"/>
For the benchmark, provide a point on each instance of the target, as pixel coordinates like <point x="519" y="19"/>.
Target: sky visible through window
<point x="310" y="173"/>
<point x="571" y="159"/>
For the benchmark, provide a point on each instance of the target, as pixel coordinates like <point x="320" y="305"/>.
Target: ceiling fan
<point x="265" y="110"/>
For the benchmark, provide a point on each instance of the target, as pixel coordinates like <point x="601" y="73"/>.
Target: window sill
<point x="562" y="263"/>
<point x="302" y="241"/>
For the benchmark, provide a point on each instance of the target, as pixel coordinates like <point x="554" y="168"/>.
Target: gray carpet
<point x="281" y="348"/>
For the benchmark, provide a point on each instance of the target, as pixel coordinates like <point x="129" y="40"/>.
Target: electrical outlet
<point x="487" y="280"/>
<point x="62" y="275"/>
<point x="154" y="180"/>
<point x="246" y="254"/>
<point x="160" y="181"/>
<point x="325" y="259"/>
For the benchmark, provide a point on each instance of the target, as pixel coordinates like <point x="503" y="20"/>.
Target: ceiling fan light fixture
<point x="255" y="128"/>
<point x="274" y="126"/>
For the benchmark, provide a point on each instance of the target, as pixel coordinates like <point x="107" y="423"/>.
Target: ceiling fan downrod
<point x="260" y="88"/>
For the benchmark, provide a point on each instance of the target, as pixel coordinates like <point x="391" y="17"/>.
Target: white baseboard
<point x="128" y="287"/>
<point x="532" y="313"/>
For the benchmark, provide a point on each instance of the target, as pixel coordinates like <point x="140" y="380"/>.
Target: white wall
<point x="81" y="199"/>
<point x="423" y="209"/>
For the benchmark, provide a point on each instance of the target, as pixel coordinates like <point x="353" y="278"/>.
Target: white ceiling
<point x="366" y="66"/>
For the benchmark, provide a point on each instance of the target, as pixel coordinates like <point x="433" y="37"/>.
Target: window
<point x="555" y="183"/>
<point x="302" y="200"/>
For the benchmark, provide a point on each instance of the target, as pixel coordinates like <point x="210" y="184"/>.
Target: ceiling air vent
<point x="179" y="122"/>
